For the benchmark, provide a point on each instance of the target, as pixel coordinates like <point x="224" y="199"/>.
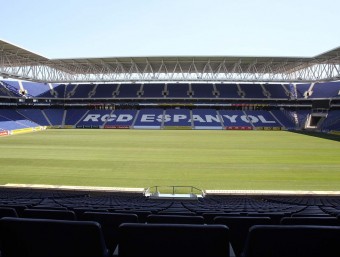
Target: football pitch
<point x="229" y="160"/>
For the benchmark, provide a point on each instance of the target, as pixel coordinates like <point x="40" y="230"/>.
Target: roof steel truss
<point x="19" y="63"/>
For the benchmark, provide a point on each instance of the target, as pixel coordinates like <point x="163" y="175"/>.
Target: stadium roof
<point x="16" y="62"/>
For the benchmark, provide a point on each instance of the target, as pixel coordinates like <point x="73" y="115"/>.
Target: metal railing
<point x="174" y="190"/>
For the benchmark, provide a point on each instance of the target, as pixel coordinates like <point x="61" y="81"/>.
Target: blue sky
<point x="109" y="28"/>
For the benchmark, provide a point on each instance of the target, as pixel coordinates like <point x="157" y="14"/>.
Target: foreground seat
<point x="319" y="221"/>
<point x="142" y="215"/>
<point x="18" y="208"/>
<point x="239" y="228"/>
<point x="42" y="237"/>
<point x="49" y="214"/>
<point x="292" y="240"/>
<point x="8" y="212"/>
<point x="173" y="240"/>
<point x="210" y="216"/>
<point x="110" y="223"/>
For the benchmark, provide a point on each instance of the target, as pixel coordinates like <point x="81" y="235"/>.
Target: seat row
<point x="152" y="238"/>
<point x="43" y="237"/>
<point x="171" y="90"/>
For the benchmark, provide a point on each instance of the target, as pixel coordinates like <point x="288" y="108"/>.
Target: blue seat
<point x="292" y="240"/>
<point x="142" y="215"/>
<point x="320" y="221"/>
<point x="8" y="212"/>
<point x="49" y="214"/>
<point x="181" y="213"/>
<point x="274" y="216"/>
<point x="174" y="219"/>
<point x="48" y="207"/>
<point x="18" y="208"/>
<point x="43" y="237"/>
<point x="173" y="240"/>
<point x="239" y="228"/>
<point x="79" y="211"/>
<point x="110" y="223"/>
<point x="210" y="216"/>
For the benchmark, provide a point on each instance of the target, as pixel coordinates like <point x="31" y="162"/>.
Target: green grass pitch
<point x="230" y="160"/>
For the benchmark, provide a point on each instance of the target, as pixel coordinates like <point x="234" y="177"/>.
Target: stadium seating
<point x="311" y="211"/>
<point x="105" y="90"/>
<point x="275" y="216"/>
<point x="8" y="212"/>
<point x="82" y="91"/>
<point x="172" y="212"/>
<point x="73" y="116"/>
<point x="149" y="118"/>
<point x="12" y="120"/>
<point x="202" y="90"/>
<point x="287" y="120"/>
<point x="12" y="87"/>
<point x="292" y="240"/>
<point x="59" y="91"/>
<point x="70" y="90"/>
<point x="174" y="219"/>
<point x="276" y="91"/>
<point x="252" y="90"/>
<point x="43" y="237"/>
<point x="7" y="124"/>
<point x="173" y="240"/>
<point x="206" y="119"/>
<point x="302" y="117"/>
<point x="36" y="89"/>
<point x="156" y="118"/>
<point x="319" y="221"/>
<point x="239" y="227"/>
<point x="262" y="119"/>
<point x="121" y="119"/>
<point x="18" y="206"/>
<point x="177" y="117"/>
<point x="237" y="213"/>
<point x="138" y="204"/>
<point x="177" y="90"/>
<point x="4" y="91"/>
<point x="128" y="90"/>
<point x="141" y="214"/>
<point x="49" y="214"/>
<point x="235" y="118"/>
<point x="153" y="91"/>
<point x="110" y="223"/>
<point x="54" y="116"/>
<point x="34" y="115"/>
<point x="332" y="121"/>
<point x="302" y="89"/>
<point x="227" y="90"/>
<point x="94" y="118"/>
<point x="326" y="90"/>
<point x="81" y="209"/>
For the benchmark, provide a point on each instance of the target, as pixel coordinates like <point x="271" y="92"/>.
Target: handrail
<point x="173" y="190"/>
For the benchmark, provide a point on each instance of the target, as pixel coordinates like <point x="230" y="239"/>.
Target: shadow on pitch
<point x="319" y="135"/>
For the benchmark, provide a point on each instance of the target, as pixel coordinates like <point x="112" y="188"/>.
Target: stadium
<point x="224" y="155"/>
